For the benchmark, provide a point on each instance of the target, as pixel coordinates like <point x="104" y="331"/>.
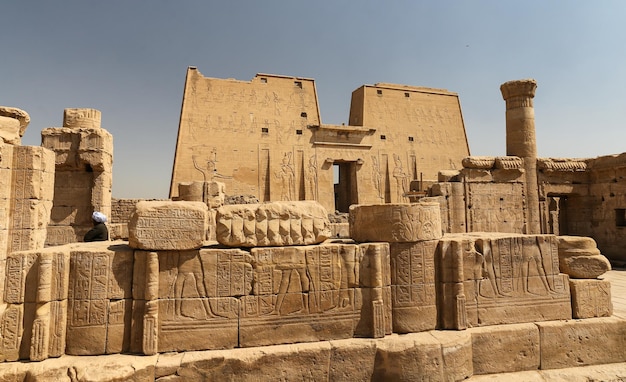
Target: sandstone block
<point x="489" y="279"/>
<point x="272" y="224"/>
<point x="457" y="350"/>
<point x="582" y="342"/>
<point x="591" y="298"/>
<point x="298" y="362"/>
<point x="505" y="348"/>
<point x="413" y="291"/>
<point x="81" y="117"/>
<point x="584" y="267"/>
<point x="402" y="358"/>
<point x="99" y="299"/>
<point x="13" y="123"/>
<point x="576" y="242"/>
<point x="395" y="222"/>
<point x="165" y="225"/>
<point x="352" y="360"/>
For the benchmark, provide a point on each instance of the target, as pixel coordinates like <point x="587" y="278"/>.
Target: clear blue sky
<point x="129" y="58"/>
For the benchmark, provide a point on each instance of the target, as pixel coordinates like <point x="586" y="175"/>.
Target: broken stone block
<point x="13" y="123"/>
<point x="395" y="223"/>
<point x="272" y="224"/>
<point x="166" y="225"/>
<point x="580" y="258"/>
<point x="591" y="298"/>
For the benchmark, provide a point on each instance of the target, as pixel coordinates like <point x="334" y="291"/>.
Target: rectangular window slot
<point x="407" y="95"/>
<point x="303" y="114"/>
<point x="263" y="80"/>
<point x="265" y="130"/>
<point x="411" y="139"/>
<point x="379" y="92"/>
<point x="299" y="132"/>
<point x="383" y="137"/>
<point x="620" y="217"/>
<point x="298" y="84"/>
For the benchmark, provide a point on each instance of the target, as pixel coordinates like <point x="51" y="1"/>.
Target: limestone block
<point x="457" y="351"/>
<point x="13" y="123"/>
<point x="582" y="342"/>
<point x="505" y="348"/>
<point x="448" y="176"/>
<point x="59" y="235"/>
<point x="476" y="175"/>
<point x="591" y="298"/>
<point x="81" y="117"/>
<point x="165" y="225"/>
<point x="489" y="279"/>
<point x="402" y="358"/>
<point x="413" y="286"/>
<point x="272" y="224"/>
<point x="33" y="158"/>
<point x="395" y="222"/>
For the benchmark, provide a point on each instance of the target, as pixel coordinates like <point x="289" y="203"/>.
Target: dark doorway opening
<point x="558" y="220"/>
<point x="344" y="179"/>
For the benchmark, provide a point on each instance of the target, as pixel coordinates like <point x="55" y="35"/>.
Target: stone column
<point x="521" y="141"/>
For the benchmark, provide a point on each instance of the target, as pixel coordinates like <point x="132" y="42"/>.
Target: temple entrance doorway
<point x="344" y="179"/>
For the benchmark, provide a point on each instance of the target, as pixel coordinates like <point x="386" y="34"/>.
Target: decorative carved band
<point x="479" y="162"/>
<point x="509" y="163"/>
<point x="561" y="164"/>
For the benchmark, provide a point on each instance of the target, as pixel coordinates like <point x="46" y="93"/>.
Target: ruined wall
<point x="84" y="174"/>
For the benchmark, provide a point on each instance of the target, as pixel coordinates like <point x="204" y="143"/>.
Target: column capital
<point x="519" y="93"/>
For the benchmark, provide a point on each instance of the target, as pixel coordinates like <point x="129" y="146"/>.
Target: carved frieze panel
<point x="500" y="279"/>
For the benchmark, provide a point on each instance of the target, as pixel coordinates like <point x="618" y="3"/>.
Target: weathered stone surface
<point x="582" y="342"/>
<point x="591" y="298"/>
<point x="395" y="223"/>
<point x="585" y="267"/>
<point x="402" y="358"/>
<point x="165" y="225"/>
<point x="505" y="348"/>
<point x="352" y="360"/>
<point x="489" y="279"/>
<point x="272" y="224"/>
<point x="99" y="299"/>
<point x="457" y="351"/>
<point x="82" y="118"/>
<point x="580" y="258"/>
<point x="413" y="289"/>
<point x="13" y="123"/>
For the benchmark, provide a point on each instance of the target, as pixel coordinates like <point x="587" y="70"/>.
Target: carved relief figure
<point x="211" y="167"/>
<point x="287" y="177"/>
<point x="402" y="179"/>
<point x="312" y="178"/>
<point x="377" y="178"/>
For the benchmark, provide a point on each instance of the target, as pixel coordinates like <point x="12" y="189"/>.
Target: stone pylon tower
<point x="83" y="176"/>
<point x="521" y="141"/>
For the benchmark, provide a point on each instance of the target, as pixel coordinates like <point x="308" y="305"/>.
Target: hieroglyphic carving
<point x="168" y="225"/>
<point x="495" y="207"/>
<point x="591" y="298"/>
<point x="505" y="275"/>
<point x="403" y="222"/>
<point x="11" y="328"/>
<point x="413" y="286"/>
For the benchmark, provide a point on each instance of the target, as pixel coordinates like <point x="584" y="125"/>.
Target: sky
<point x="128" y="59"/>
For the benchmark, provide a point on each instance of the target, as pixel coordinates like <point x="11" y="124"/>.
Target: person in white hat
<point x="99" y="232"/>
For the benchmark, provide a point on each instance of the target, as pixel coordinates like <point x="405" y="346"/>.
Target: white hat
<point x="99" y="217"/>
